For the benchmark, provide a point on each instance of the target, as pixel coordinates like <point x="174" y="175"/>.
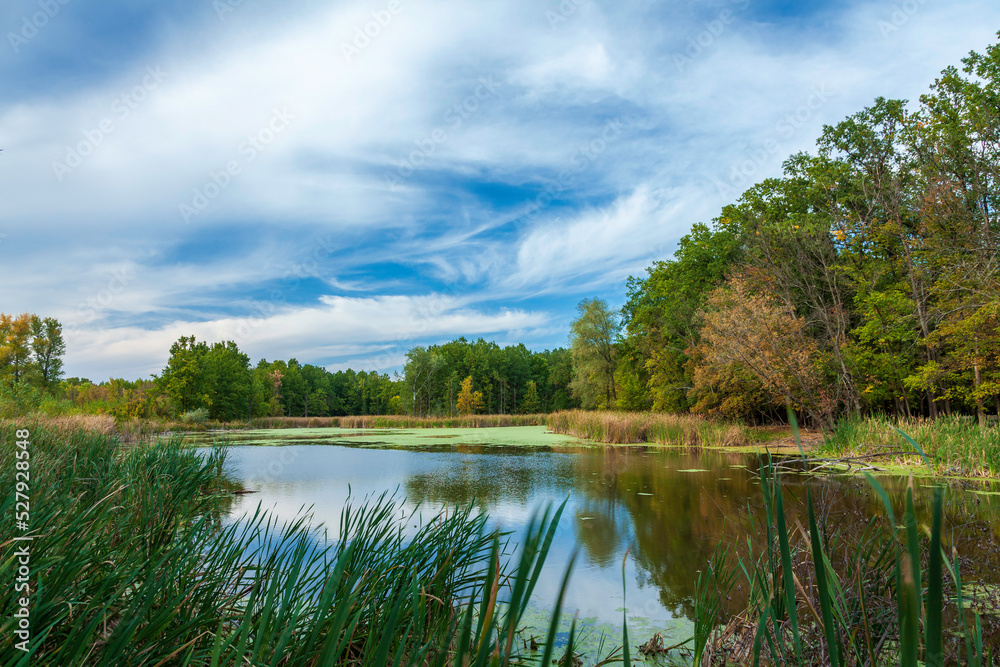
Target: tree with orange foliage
<point x="748" y="327"/>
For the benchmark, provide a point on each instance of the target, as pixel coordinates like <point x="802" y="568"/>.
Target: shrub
<point x="18" y="399"/>
<point x="195" y="416"/>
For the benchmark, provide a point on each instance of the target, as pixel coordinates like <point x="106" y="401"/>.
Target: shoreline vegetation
<point x="400" y="421"/>
<point x="139" y="567"/>
<point x="956" y="446"/>
<point x="620" y="428"/>
<point x="132" y="563"/>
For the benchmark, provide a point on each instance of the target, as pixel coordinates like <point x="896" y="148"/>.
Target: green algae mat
<point x="416" y="438"/>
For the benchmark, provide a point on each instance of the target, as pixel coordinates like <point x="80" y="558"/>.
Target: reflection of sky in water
<point x="511" y="488"/>
<point x="670" y="505"/>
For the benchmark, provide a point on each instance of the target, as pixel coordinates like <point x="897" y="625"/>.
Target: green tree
<point x="228" y="381"/>
<point x="530" y="403"/>
<point x="592" y="343"/>
<point x="48" y="348"/>
<point x="421" y="374"/>
<point x="560" y="377"/>
<point x="183" y="378"/>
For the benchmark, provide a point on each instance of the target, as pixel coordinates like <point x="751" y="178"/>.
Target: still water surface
<point x="669" y="507"/>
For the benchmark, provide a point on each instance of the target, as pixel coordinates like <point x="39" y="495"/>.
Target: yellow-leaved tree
<point x="469" y="402"/>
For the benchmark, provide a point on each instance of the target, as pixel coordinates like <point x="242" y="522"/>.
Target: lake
<point x="669" y="507"/>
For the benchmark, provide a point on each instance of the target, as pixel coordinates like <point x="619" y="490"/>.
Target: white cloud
<point x="600" y="242"/>
<point x="336" y="327"/>
<point x="454" y="219"/>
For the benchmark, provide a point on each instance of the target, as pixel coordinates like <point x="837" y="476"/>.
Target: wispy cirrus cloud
<point x="512" y="200"/>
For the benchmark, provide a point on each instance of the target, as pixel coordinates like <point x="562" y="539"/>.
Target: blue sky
<point x="340" y="181"/>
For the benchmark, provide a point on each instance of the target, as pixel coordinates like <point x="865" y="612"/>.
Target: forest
<point x="217" y="381"/>
<point x="863" y="281"/>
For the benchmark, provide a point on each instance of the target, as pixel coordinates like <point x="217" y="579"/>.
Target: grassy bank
<point x="132" y="564"/>
<point x="659" y="428"/>
<point x="955" y="445"/>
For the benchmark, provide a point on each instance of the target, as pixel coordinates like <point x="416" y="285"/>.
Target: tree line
<point x="217" y="381"/>
<point x="509" y="380"/>
<point x="864" y="280"/>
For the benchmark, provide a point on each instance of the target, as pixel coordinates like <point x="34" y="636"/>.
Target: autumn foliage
<point x="469" y="402"/>
<point x="865" y="280"/>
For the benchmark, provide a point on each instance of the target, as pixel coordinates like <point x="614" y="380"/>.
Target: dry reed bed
<point x="637" y="427"/>
<point x="400" y="421"/>
<point x="67" y="425"/>
<point x="136" y="430"/>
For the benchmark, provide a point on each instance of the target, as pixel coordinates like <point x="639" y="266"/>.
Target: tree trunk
<point x="980" y="415"/>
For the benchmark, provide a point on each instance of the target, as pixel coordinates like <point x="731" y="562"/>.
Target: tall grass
<point x="882" y="604"/>
<point x="636" y="427"/>
<point x="399" y="421"/>
<point x="132" y="564"/>
<point x="134" y="430"/>
<point x="956" y="445"/>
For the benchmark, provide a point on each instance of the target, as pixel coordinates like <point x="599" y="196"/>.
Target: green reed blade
<point x="820" y="566"/>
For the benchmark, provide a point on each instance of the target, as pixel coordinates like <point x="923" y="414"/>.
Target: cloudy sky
<point x="337" y="181"/>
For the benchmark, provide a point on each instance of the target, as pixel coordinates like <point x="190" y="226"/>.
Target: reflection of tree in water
<point x="637" y="495"/>
<point x="493" y="479"/>
<point x="603" y="529"/>
<point x="673" y="519"/>
<point x="676" y="529"/>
